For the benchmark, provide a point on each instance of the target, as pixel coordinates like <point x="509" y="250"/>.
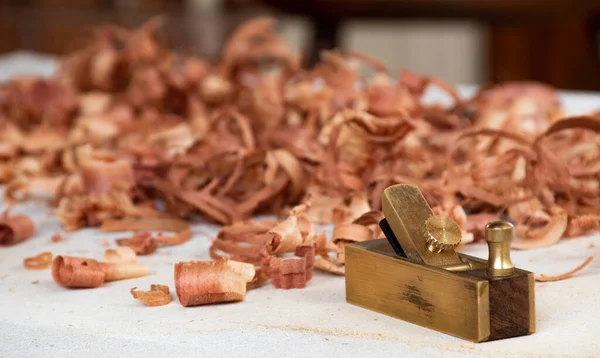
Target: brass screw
<point x="441" y="233"/>
<point x="465" y="266"/>
<point x="499" y="235"/>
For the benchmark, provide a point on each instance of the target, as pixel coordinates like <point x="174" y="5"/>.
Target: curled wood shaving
<point x="39" y="262"/>
<point x="203" y="282"/>
<point x="259" y="280"/>
<point x="292" y="232"/>
<point x="569" y="274"/>
<point x="346" y="233"/>
<point x="329" y="265"/>
<point x="548" y="235"/>
<point x="293" y="168"/>
<point x="181" y="228"/>
<point x="120" y="255"/>
<point x="157" y="296"/>
<point x="290" y="273"/>
<point x="130" y="122"/>
<point x="79" y="272"/>
<point x="359" y="205"/>
<point x="242" y="241"/>
<point x="93" y="209"/>
<point x="127" y="123"/>
<point x="325" y="209"/>
<point x="23" y="188"/>
<point x="124" y="270"/>
<point x="363" y="228"/>
<point x="141" y="243"/>
<point x="15" y="228"/>
<point x="261" y="243"/>
<point x="102" y="172"/>
<point x="286" y="236"/>
<point x="76" y="272"/>
<point x="583" y="224"/>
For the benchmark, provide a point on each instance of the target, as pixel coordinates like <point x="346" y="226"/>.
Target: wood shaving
<point x="569" y="274"/>
<point x="120" y="255"/>
<point x="204" y="282"/>
<point x="15" y="228"/>
<point x="79" y="272"/>
<point x="288" y="234"/>
<point x="42" y="261"/>
<point x="242" y="241"/>
<point x="290" y="273"/>
<point x="329" y="264"/>
<point x="140" y="131"/>
<point x="157" y="296"/>
<point x="142" y="243"/>
<point x="181" y="228"/>
<point x="583" y="224"/>
<point x="549" y="234"/>
<point x="126" y="123"/>
<point x="56" y="238"/>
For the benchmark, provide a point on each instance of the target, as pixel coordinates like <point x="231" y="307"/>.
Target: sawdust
<point x="386" y="337"/>
<point x="335" y="332"/>
<point x="378" y="336"/>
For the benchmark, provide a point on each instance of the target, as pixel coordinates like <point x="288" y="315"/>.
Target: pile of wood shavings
<point x="126" y="123"/>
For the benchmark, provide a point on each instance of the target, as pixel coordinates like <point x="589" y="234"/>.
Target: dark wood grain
<point x="510" y="304"/>
<point x="489" y="9"/>
<point x="563" y="52"/>
<point x="549" y="41"/>
<point x="60" y="26"/>
<point x="9" y="34"/>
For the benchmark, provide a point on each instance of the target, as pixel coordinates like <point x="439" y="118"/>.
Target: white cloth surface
<point x="39" y="318"/>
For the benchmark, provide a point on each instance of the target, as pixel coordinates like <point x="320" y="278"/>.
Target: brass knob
<point x="499" y="235"/>
<point x="441" y="233"/>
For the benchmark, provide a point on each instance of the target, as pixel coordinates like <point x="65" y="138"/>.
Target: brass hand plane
<point x="416" y="275"/>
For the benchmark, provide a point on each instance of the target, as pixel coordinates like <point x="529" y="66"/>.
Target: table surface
<point x="38" y="318"/>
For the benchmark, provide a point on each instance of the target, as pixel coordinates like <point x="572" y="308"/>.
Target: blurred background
<point x="463" y="41"/>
